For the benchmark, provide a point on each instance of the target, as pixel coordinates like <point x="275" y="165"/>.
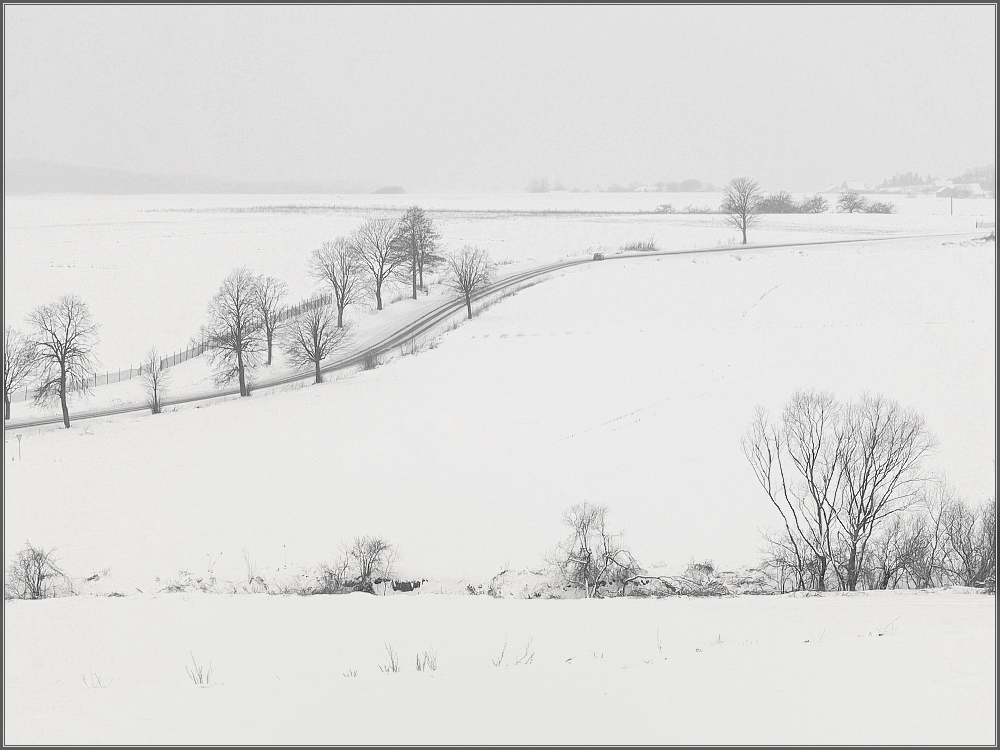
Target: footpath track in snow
<point x="428" y="321"/>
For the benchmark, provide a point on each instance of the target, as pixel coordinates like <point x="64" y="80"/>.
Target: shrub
<point x="371" y="360"/>
<point x="880" y="207"/>
<point x="647" y="246"/>
<point x="368" y="559"/>
<point x="851" y="203"/>
<point x="593" y="558"/>
<point x="777" y="203"/>
<point x="815" y="205"/>
<point x="31" y="575"/>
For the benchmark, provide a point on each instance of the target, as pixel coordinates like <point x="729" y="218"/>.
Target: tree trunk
<point x="468" y="304"/>
<point x="821" y="582"/>
<point x="62" y="396"/>
<point x="413" y="272"/>
<point x="744" y="232"/>
<point x="239" y="366"/>
<point x="852" y="569"/>
<point x="378" y="297"/>
<point x="270" y="336"/>
<point x="319" y="375"/>
<point x="340" y="315"/>
<point x="420" y="269"/>
<point x="6" y="407"/>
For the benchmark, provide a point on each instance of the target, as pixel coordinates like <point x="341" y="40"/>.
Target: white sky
<point x="439" y="98"/>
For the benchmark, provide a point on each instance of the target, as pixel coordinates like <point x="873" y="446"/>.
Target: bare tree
<point x="882" y="445"/>
<point x="971" y="537"/>
<point x="312" y="337"/>
<point x="154" y="380"/>
<point x="419" y="237"/>
<point x="378" y="250"/>
<point x="852" y="203"/>
<point x="796" y="463"/>
<point x="336" y="264"/>
<point x="896" y="552"/>
<point x="28" y="575"/>
<point x="593" y="556"/>
<point x="469" y="272"/>
<point x="234" y="332"/>
<point x="270" y="308"/>
<point x="370" y="558"/>
<point x="741" y="200"/>
<point x="65" y="336"/>
<point x="936" y="498"/>
<point x="20" y="358"/>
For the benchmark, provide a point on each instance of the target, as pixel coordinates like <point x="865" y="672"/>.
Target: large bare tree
<point x="741" y="199"/>
<point x="154" y="380"/>
<point x="20" y="357"/>
<point x="419" y="237"/>
<point x="234" y="332"/>
<point x="65" y="336"/>
<point x="312" y="337"/>
<point x="469" y="272"/>
<point x="380" y="253"/>
<point x="336" y="264"/>
<point x="882" y="446"/>
<point x="270" y="293"/>
<point x="836" y="474"/>
<point x="797" y="464"/>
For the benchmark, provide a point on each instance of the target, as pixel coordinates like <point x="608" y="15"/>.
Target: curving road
<point x="434" y="317"/>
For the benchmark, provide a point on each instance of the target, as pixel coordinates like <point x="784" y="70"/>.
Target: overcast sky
<point x="488" y="98"/>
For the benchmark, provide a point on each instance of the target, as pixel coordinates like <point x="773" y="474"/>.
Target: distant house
<point x="967" y="190"/>
<point x="853" y="186"/>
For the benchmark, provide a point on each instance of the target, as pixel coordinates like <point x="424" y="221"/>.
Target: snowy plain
<point x="910" y="668"/>
<point x="628" y="382"/>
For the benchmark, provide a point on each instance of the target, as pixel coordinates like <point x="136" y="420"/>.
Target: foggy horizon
<point x="488" y="99"/>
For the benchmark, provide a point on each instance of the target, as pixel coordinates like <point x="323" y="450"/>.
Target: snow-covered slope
<point x="628" y="383"/>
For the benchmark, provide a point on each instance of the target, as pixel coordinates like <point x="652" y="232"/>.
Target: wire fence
<point x="195" y="350"/>
<point x="177" y="357"/>
<point x="986" y="225"/>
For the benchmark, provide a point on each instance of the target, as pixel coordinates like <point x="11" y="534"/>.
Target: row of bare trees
<point x="385" y="251"/>
<point x="856" y="507"/>
<point x="247" y="314"/>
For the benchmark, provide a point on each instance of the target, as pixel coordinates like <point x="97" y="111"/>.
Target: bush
<point x="593" y="558"/>
<point x="815" y="205"/>
<point x="32" y="574"/>
<point x="880" y="207"/>
<point x="851" y="203"/>
<point x="371" y="360"/>
<point x="648" y="246"/>
<point x="778" y="203"/>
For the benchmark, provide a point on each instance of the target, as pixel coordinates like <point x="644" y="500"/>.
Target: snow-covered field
<point x="147" y="265"/>
<point x="627" y="383"/>
<point x="910" y="668"/>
